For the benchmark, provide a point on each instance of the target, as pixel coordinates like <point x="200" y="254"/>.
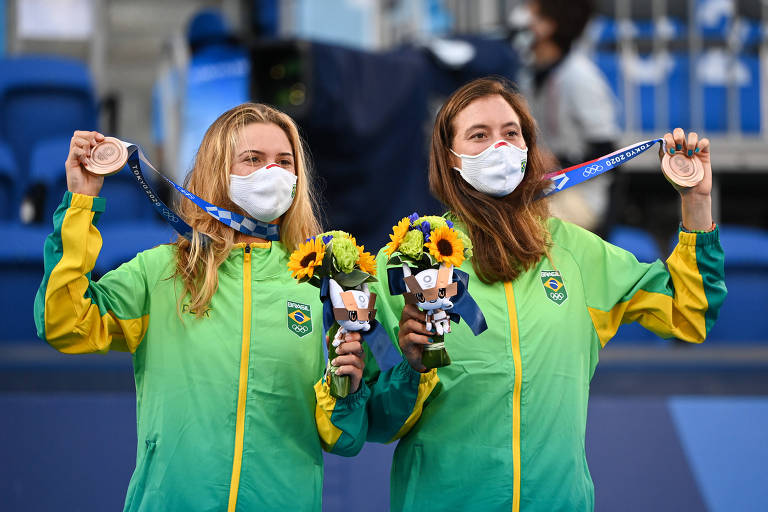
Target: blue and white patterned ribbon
<point x="245" y="225"/>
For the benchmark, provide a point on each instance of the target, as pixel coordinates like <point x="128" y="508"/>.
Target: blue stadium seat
<point x="46" y="168"/>
<point x="637" y="241"/>
<point x="679" y="86"/>
<point x="713" y="19"/>
<point x="609" y="64"/>
<point x="21" y="271"/>
<point x="671" y="70"/>
<point x="42" y="97"/>
<point x="749" y="94"/>
<point x="8" y="179"/>
<point x="750" y="31"/>
<point x="715" y="68"/>
<point x="121" y="242"/>
<point x="647" y="73"/>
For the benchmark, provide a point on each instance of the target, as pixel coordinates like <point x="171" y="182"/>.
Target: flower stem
<point x="435" y="357"/>
<point x="339" y="384"/>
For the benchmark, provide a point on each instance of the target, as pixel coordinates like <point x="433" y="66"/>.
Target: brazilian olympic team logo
<point x="554" y="286"/>
<point x="299" y="318"/>
<point x="522" y="167"/>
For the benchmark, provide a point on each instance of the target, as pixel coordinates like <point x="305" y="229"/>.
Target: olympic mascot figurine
<point x="431" y="290"/>
<point x="424" y="255"/>
<point x="334" y="262"/>
<point x="353" y="309"/>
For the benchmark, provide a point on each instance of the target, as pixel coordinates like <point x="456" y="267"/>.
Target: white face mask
<point x="497" y="170"/>
<point x="265" y="194"/>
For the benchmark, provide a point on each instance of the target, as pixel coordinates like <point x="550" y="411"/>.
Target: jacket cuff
<point x="700" y="239"/>
<point x="403" y="371"/>
<point x="357" y="399"/>
<point x="94" y="204"/>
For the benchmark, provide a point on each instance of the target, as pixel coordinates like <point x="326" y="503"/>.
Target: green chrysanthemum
<point x="345" y="252"/>
<point x="412" y="244"/>
<point x="336" y="234"/>
<point x="467" y="243"/>
<point x="435" y="221"/>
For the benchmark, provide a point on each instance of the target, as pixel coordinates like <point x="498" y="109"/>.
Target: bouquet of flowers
<point x="428" y="249"/>
<point x="334" y="262"/>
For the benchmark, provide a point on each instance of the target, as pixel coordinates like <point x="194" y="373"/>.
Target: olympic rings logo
<point x="170" y="215"/>
<point x="300" y="328"/>
<point x="556" y="296"/>
<point x="592" y="169"/>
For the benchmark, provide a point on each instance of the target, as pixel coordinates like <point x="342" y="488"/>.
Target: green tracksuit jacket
<point x="231" y="410"/>
<point x="502" y="427"/>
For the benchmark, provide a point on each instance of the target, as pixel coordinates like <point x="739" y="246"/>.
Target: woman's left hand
<point x="696" y="200"/>
<point x="350" y="359"/>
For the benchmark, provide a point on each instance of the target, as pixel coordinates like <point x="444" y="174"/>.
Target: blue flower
<point x="450" y="224"/>
<point x="312" y="238"/>
<point x="327" y="238"/>
<point x="425" y="229"/>
<point x="412" y="217"/>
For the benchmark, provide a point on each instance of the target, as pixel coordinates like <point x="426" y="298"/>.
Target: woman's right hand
<point x="79" y="180"/>
<point x="413" y="336"/>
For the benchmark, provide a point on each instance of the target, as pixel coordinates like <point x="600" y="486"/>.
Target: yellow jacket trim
<point x="516" y="393"/>
<point x="73" y="323"/>
<point x="242" y="389"/>
<point x="427" y="382"/>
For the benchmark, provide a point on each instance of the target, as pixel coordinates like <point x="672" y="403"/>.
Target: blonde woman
<point x="226" y="345"/>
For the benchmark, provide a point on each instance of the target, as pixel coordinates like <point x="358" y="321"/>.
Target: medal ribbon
<point x="245" y="225"/>
<point x="580" y="173"/>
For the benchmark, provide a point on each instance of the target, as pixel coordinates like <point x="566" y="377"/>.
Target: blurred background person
<point x="573" y="105"/>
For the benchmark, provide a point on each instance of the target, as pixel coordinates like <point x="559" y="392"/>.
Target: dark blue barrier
<point x="76" y="451"/>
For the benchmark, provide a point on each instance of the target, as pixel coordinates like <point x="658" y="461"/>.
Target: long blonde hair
<point x="509" y="233"/>
<point x="198" y="260"/>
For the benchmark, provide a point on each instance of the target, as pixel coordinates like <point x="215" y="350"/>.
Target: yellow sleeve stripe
<point x="681" y="316"/>
<point x="427" y="382"/>
<point x="73" y="323"/>
<point x="653" y="311"/>
<point x="328" y="432"/>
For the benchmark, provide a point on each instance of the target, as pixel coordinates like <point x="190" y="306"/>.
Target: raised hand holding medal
<point x="79" y="180"/>
<point x="685" y="161"/>
<point x="682" y="157"/>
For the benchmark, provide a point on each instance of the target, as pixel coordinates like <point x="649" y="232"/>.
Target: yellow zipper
<point x="243" y="382"/>
<point x="517" y="360"/>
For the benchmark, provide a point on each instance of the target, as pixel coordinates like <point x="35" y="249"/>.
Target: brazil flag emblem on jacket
<point x="299" y="318"/>
<point x="554" y="286"/>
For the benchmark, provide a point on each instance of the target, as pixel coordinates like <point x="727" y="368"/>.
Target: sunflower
<point x="366" y="261"/>
<point x="398" y="233"/>
<point x="308" y="256"/>
<point x="446" y="246"/>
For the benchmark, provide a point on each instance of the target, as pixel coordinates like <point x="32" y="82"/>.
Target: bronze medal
<point x="108" y="157"/>
<point x="681" y="170"/>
